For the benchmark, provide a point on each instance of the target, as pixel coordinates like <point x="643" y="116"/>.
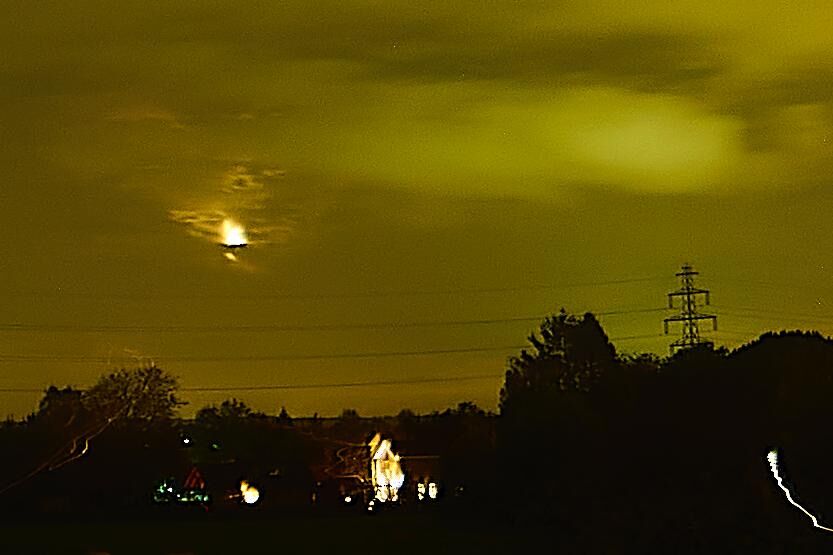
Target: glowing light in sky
<point x="772" y="457"/>
<point x="250" y="493"/>
<point x="233" y="234"/>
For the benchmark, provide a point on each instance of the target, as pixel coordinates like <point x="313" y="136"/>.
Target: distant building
<point x="386" y="473"/>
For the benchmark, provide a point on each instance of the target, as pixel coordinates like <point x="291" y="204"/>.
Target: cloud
<point x="245" y="196"/>
<point x="451" y="98"/>
<point x="240" y="180"/>
<point x="646" y="142"/>
<point x="143" y="114"/>
<point x="463" y="141"/>
<point x="204" y="224"/>
<point x="638" y="60"/>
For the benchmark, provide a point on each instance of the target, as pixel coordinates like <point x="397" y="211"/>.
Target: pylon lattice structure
<point x="689" y="316"/>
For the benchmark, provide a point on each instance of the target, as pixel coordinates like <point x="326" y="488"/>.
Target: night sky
<point x="397" y="163"/>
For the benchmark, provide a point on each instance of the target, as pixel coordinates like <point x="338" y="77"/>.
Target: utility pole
<point x="688" y="311"/>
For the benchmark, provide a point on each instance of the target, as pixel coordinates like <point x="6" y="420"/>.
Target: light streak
<point x="772" y="457"/>
<point x="63" y="456"/>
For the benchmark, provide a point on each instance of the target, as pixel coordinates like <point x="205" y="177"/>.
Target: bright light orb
<point x="250" y="493"/>
<point x="233" y="234"/>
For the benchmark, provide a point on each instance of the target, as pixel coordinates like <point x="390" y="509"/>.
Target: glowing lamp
<point x="250" y="494"/>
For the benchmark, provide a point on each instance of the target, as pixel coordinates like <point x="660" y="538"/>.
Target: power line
<point x="337" y="384"/>
<point x="473" y="377"/>
<point x="344" y="384"/>
<point x="257" y="358"/>
<point x="632" y="337"/>
<point x="791" y="286"/>
<point x="261" y="358"/>
<point x="746" y="333"/>
<point x="342" y="295"/>
<point x="738" y="333"/>
<point x="210" y="389"/>
<point x="19" y="327"/>
<point x="21" y="390"/>
<point x="789" y="315"/>
<point x="257" y="328"/>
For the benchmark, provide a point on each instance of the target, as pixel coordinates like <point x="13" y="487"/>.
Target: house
<point x="386" y="473"/>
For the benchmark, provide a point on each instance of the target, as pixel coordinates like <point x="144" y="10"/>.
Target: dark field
<point x="392" y="533"/>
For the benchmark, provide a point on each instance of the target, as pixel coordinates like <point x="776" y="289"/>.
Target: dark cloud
<point x="640" y="61"/>
<point x="392" y="41"/>
<point x="786" y="111"/>
<point x="810" y="82"/>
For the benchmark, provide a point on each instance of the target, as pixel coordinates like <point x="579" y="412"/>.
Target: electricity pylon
<point x="688" y="311"/>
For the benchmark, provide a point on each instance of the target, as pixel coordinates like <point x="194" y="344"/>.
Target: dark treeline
<point x="637" y="450"/>
<point x="610" y="452"/>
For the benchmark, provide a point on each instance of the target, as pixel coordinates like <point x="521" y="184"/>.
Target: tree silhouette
<point x="284" y="418"/>
<point x="569" y="354"/>
<point x="143" y="395"/>
<point x="59" y="405"/>
<point x="551" y="424"/>
<point x="121" y="430"/>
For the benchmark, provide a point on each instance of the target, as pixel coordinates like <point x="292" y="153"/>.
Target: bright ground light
<point x="250" y="493"/>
